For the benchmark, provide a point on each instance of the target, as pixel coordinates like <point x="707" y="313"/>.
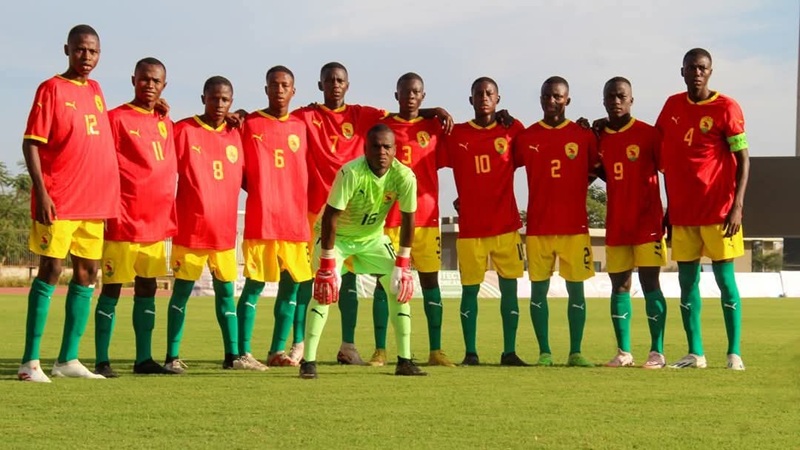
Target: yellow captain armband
<point x="738" y="142"/>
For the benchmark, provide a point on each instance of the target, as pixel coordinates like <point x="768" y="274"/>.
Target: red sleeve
<point x="594" y="150"/>
<point x="40" y="118"/>
<point x="369" y="116"/>
<point x="662" y="117"/>
<point x="517" y="151"/>
<point x="442" y="152"/>
<point x="734" y="119"/>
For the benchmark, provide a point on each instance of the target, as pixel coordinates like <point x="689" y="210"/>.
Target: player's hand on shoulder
<point x="504" y="118"/>
<point x="445" y="118"/>
<point x="599" y="124"/>
<point x="162" y="107"/>
<point x="236" y="119"/>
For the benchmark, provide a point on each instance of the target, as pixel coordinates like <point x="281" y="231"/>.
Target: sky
<point x="448" y="42"/>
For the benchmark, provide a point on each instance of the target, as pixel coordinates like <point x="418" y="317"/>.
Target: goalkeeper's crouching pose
<point x="352" y="227"/>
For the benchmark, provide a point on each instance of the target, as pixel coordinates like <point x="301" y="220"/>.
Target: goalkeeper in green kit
<point x="352" y="227"/>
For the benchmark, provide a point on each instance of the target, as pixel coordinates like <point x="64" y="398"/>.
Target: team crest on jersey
<point x="389" y="197"/>
<point x="98" y="101"/>
<point x="347" y="130"/>
<point x="571" y="149"/>
<point x="108" y="268"/>
<point x="294" y="142"/>
<point x="44" y="243"/>
<point x="176" y="266"/>
<point x="632" y="152"/>
<point x="232" y="153"/>
<point x="501" y="145"/>
<point x="423" y="139"/>
<point x="162" y="129"/>
<point x="706" y="123"/>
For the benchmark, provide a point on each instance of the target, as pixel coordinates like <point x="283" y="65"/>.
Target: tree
<point x="596" y="201"/>
<point x="15" y="197"/>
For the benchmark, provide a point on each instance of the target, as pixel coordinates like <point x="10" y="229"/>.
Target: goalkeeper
<point x="352" y="227"/>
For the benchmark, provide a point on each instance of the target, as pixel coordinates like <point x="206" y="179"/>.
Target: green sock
<point x="400" y="315"/>
<point x="38" y="306"/>
<point x="621" y="318"/>
<point x="469" y="316"/>
<point x="509" y="311"/>
<point x="246" y="312"/>
<point x="731" y="304"/>
<point x="78" y="307"/>
<point x="104" y="319"/>
<point x="576" y="314"/>
<point x="226" y="315"/>
<point x="656" y="308"/>
<point x="348" y="307"/>
<point x="691" y="305"/>
<point x="285" y="304"/>
<point x="380" y="316"/>
<point x="432" y="299"/>
<point x="318" y="315"/>
<point x="303" y="299"/>
<point x="144" y="320"/>
<point x="176" y="315"/>
<point x="540" y="314"/>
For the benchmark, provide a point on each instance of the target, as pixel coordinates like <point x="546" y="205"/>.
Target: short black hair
<point x="409" y="76"/>
<point x="555" y="79"/>
<point x="697" y="52"/>
<point x="618" y="80"/>
<point x="217" y="80"/>
<point x="149" y="61"/>
<point x="379" y="128"/>
<point x="79" y="30"/>
<point x="331" y="66"/>
<point x="482" y="80"/>
<point x="279" y="69"/>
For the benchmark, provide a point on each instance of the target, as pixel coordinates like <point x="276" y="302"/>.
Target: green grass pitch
<point x="364" y="407"/>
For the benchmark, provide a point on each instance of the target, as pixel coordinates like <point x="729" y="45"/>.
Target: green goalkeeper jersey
<point x="365" y="199"/>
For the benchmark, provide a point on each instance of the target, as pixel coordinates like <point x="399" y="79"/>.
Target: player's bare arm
<point x="328" y="233"/>
<point x="45" y="209"/>
<point x="441" y="114"/>
<point x="733" y="222"/>
<point x="406" y="229"/>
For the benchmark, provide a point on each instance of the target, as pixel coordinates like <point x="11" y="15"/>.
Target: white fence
<point x="759" y="285"/>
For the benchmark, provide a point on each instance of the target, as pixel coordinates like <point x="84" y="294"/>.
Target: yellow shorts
<point x="505" y="251"/>
<point x="265" y="259"/>
<point x="123" y="261"/>
<point x="690" y="243"/>
<point x="621" y="258"/>
<point x="187" y="263"/>
<point x="82" y="238"/>
<point x="426" y="250"/>
<point x="574" y="252"/>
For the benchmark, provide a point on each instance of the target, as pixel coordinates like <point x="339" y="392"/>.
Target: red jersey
<point x="630" y="159"/>
<point x="557" y="161"/>
<point x="148" y="171"/>
<point x="209" y="178"/>
<point x="417" y="142"/>
<point x="335" y="137"/>
<point x="69" y="122"/>
<point x="276" y="175"/>
<point x="483" y="169"/>
<point x="698" y="142"/>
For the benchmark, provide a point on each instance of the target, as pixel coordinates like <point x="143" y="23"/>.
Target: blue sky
<point x="449" y="42"/>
